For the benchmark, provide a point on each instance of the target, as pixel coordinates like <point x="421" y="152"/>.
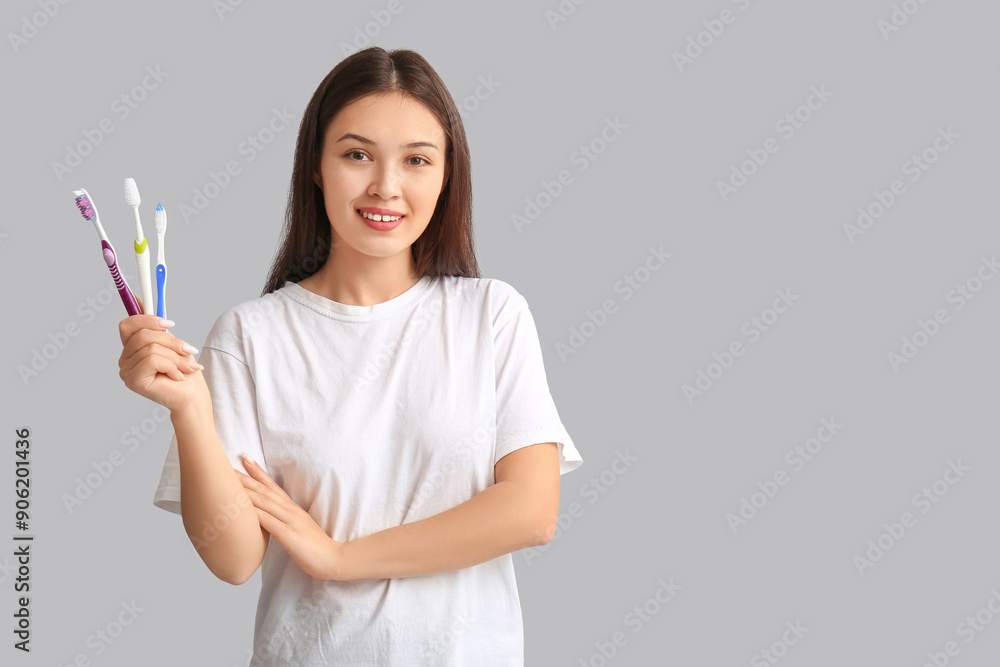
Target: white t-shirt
<point x="370" y="417"/>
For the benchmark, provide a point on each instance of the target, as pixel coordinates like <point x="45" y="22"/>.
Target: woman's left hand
<point x="315" y="552"/>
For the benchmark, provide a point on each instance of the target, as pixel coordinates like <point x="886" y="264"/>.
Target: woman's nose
<point x="385" y="183"/>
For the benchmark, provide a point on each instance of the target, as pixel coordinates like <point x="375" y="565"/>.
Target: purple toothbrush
<point x="86" y="206"/>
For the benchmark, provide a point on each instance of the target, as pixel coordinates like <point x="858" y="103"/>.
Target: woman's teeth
<point x="380" y="218"/>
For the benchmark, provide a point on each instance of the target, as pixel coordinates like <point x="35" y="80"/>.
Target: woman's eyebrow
<point x="369" y="142"/>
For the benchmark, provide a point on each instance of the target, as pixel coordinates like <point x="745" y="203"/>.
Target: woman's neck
<point x="363" y="283"/>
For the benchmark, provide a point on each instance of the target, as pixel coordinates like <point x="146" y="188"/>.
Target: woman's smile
<point x="382" y="222"/>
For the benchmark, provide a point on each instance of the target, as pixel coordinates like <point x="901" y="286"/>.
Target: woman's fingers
<point x="148" y="351"/>
<point x="168" y="349"/>
<point x="145" y="331"/>
<point x="140" y="373"/>
<point x="183" y="364"/>
<point x="156" y="364"/>
<point x="161" y="365"/>
<point x="133" y="323"/>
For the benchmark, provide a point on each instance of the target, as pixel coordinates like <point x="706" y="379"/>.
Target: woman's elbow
<point x="543" y="531"/>
<point x="233" y="576"/>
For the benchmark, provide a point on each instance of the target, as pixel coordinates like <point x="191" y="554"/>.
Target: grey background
<point x="663" y="517"/>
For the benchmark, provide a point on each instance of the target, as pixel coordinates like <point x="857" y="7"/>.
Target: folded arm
<point x="518" y="511"/>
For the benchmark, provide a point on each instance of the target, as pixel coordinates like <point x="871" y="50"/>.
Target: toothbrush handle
<point x="161" y="291"/>
<point x="131" y="305"/>
<point x="142" y="262"/>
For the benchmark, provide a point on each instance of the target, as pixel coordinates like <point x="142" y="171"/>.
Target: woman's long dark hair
<point x="446" y="246"/>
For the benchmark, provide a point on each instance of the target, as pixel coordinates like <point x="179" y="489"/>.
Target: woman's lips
<point x="379" y="211"/>
<point x="382" y="226"/>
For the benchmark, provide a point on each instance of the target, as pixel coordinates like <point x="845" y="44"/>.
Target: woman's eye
<point x="358" y="156"/>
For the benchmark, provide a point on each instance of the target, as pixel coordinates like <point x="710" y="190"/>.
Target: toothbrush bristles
<point x="160" y="218"/>
<point x="83" y="203"/>
<point x="131" y="193"/>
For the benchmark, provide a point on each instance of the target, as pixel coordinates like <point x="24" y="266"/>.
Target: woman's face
<point x="383" y="155"/>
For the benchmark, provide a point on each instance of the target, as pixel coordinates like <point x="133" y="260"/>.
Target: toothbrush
<point x="141" y="247"/>
<point x="161" y="263"/>
<point x="86" y="206"/>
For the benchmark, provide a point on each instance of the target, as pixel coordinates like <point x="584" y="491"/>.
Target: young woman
<point x="389" y="407"/>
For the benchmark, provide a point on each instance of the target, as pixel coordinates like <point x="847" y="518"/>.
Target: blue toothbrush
<point x="161" y="264"/>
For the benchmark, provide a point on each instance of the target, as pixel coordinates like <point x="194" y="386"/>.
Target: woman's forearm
<point x="218" y="516"/>
<point x="495" y="522"/>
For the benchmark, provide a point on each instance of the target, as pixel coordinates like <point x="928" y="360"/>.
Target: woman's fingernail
<point x="199" y="366"/>
<point x="166" y="323"/>
<point x="246" y="457"/>
<point x="190" y="349"/>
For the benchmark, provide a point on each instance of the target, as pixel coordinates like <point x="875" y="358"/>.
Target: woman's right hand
<point x="155" y="364"/>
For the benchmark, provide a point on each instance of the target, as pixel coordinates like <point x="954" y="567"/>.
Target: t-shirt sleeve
<point x="526" y="413"/>
<point x="234" y="406"/>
